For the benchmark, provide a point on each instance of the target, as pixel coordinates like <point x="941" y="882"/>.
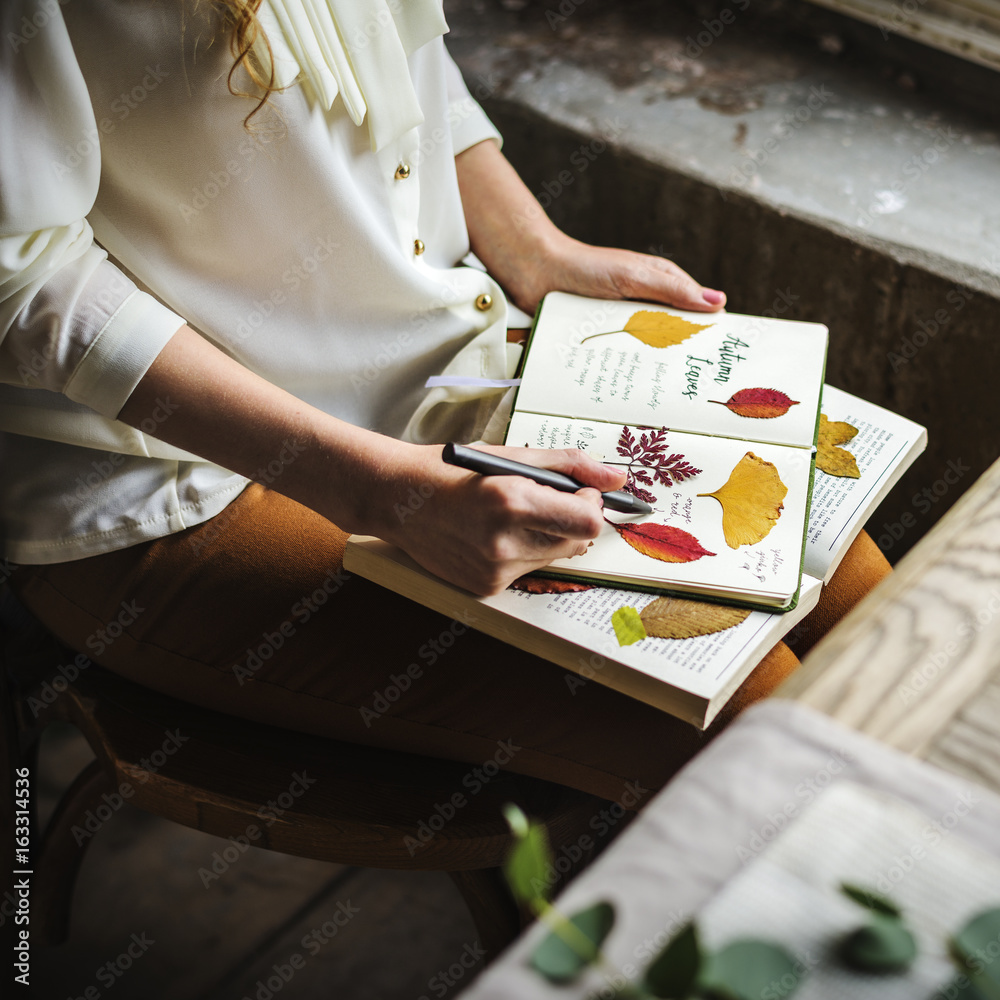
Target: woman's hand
<point x="529" y="256"/>
<point x="480" y="532"/>
<point x="607" y="273"/>
<point x="483" y="532"/>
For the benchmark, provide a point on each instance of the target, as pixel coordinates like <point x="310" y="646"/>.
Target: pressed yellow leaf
<point x="655" y="328"/>
<point x="676" y="618"/>
<point x="751" y="501"/>
<point x="830" y="459"/>
<point x="661" y="329"/>
<point x="837" y="462"/>
<point x="628" y="626"/>
<point x="835" y="431"/>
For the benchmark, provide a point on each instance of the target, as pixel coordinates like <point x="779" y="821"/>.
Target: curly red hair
<point x="246" y="31"/>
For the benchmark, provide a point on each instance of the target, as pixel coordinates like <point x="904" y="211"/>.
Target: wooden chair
<point x="366" y="807"/>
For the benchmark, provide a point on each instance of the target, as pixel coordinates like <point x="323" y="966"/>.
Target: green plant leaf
<point x="885" y="944"/>
<point x="516" y="819"/>
<point x="970" y="949"/>
<point x="562" y="955"/>
<point x="961" y="988"/>
<point x="870" y="899"/>
<point x="744" y="970"/>
<point x="674" y="971"/>
<point x="527" y="866"/>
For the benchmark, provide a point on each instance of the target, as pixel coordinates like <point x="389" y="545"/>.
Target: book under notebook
<point x="690" y="677"/>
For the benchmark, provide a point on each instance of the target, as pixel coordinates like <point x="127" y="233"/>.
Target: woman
<point x="196" y="308"/>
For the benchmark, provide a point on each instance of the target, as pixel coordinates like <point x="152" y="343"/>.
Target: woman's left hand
<point x="608" y="273"/>
<point x="530" y="256"/>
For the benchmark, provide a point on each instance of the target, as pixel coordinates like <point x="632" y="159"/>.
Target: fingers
<point x="662" y="280"/>
<point x="581" y="467"/>
<point x="569" y="461"/>
<point x="516" y="507"/>
<point x="523" y="527"/>
<point x="482" y="532"/>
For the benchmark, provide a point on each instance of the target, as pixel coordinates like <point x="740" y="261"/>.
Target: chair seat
<point x="263" y="786"/>
<point x="301" y="794"/>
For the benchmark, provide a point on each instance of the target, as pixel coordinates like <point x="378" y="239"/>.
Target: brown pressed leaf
<point x="661" y="541"/>
<point x="751" y="501"/>
<point x="762" y="404"/>
<point x="547" y="585"/>
<point x="830" y="459"/>
<point x="656" y="328"/>
<point x="677" y="618"/>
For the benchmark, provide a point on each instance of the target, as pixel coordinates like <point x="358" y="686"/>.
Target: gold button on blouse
<point x="402" y="172"/>
<point x="418" y="247"/>
<point x="484" y="302"/>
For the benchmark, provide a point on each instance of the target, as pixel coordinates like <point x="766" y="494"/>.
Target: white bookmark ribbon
<point x="435" y="381"/>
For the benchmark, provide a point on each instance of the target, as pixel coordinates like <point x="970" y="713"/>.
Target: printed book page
<point x="708" y="666"/>
<point x="791" y="893"/>
<point x="721" y="374"/>
<point x="885" y="446"/>
<point x="691" y="678"/>
<point x="753" y="484"/>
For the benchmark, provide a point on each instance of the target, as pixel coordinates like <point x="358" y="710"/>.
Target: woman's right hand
<point x="480" y="532"/>
<point x="483" y="532"/>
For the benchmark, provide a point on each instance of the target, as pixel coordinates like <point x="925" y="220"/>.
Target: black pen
<point x="492" y="465"/>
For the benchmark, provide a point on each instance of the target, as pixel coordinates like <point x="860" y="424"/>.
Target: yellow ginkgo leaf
<point x="830" y="459"/>
<point x="751" y="501"/>
<point x="656" y="328"/>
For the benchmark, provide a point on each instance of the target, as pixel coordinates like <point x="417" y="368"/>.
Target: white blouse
<point x="132" y="200"/>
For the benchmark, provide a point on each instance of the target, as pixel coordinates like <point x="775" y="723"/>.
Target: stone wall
<point x="914" y="318"/>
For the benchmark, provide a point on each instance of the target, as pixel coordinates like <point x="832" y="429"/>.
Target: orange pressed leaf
<point x="677" y="618"/>
<point x="656" y="328"/>
<point x="762" y="404"/>
<point x="751" y="501"/>
<point x="830" y="459"/>
<point x="661" y="541"/>
<point x="547" y="585"/>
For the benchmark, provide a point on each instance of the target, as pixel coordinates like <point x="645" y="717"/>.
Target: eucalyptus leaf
<point x="871" y="900"/>
<point x="562" y="954"/>
<point x="516" y="820"/>
<point x="674" y="971"/>
<point x="961" y="988"/>
<point x="885" y="944"/>
<point x="527" y="865"/>
<point x="748" y="970"/>
<point x="973" y="949"/>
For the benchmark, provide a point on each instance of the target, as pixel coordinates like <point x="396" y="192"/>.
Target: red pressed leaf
<point x="661" y="541"/>
<point x="759" y="403"/>
<point x="546" y="585"/>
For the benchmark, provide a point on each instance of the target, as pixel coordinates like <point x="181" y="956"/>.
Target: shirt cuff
<point x="122" y="353"/>
<point x="469" y="125"/>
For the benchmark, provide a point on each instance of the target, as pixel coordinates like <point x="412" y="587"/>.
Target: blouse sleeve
<point x="468" y="122"/>
<point x="70" y="321"/>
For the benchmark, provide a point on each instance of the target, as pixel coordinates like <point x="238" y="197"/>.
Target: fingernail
<point x="712" y="297"/>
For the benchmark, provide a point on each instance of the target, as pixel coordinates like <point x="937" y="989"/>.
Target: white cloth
<point x="355" y="48"/>
<point x="718" y="815"/>
<point x="292" y="249"/>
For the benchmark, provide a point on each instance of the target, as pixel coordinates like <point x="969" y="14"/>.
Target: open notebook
<point x="713" y="416"/>
<point x="691" y="678"/>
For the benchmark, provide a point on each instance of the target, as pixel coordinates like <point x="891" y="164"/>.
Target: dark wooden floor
<point x="269" y="925"/>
